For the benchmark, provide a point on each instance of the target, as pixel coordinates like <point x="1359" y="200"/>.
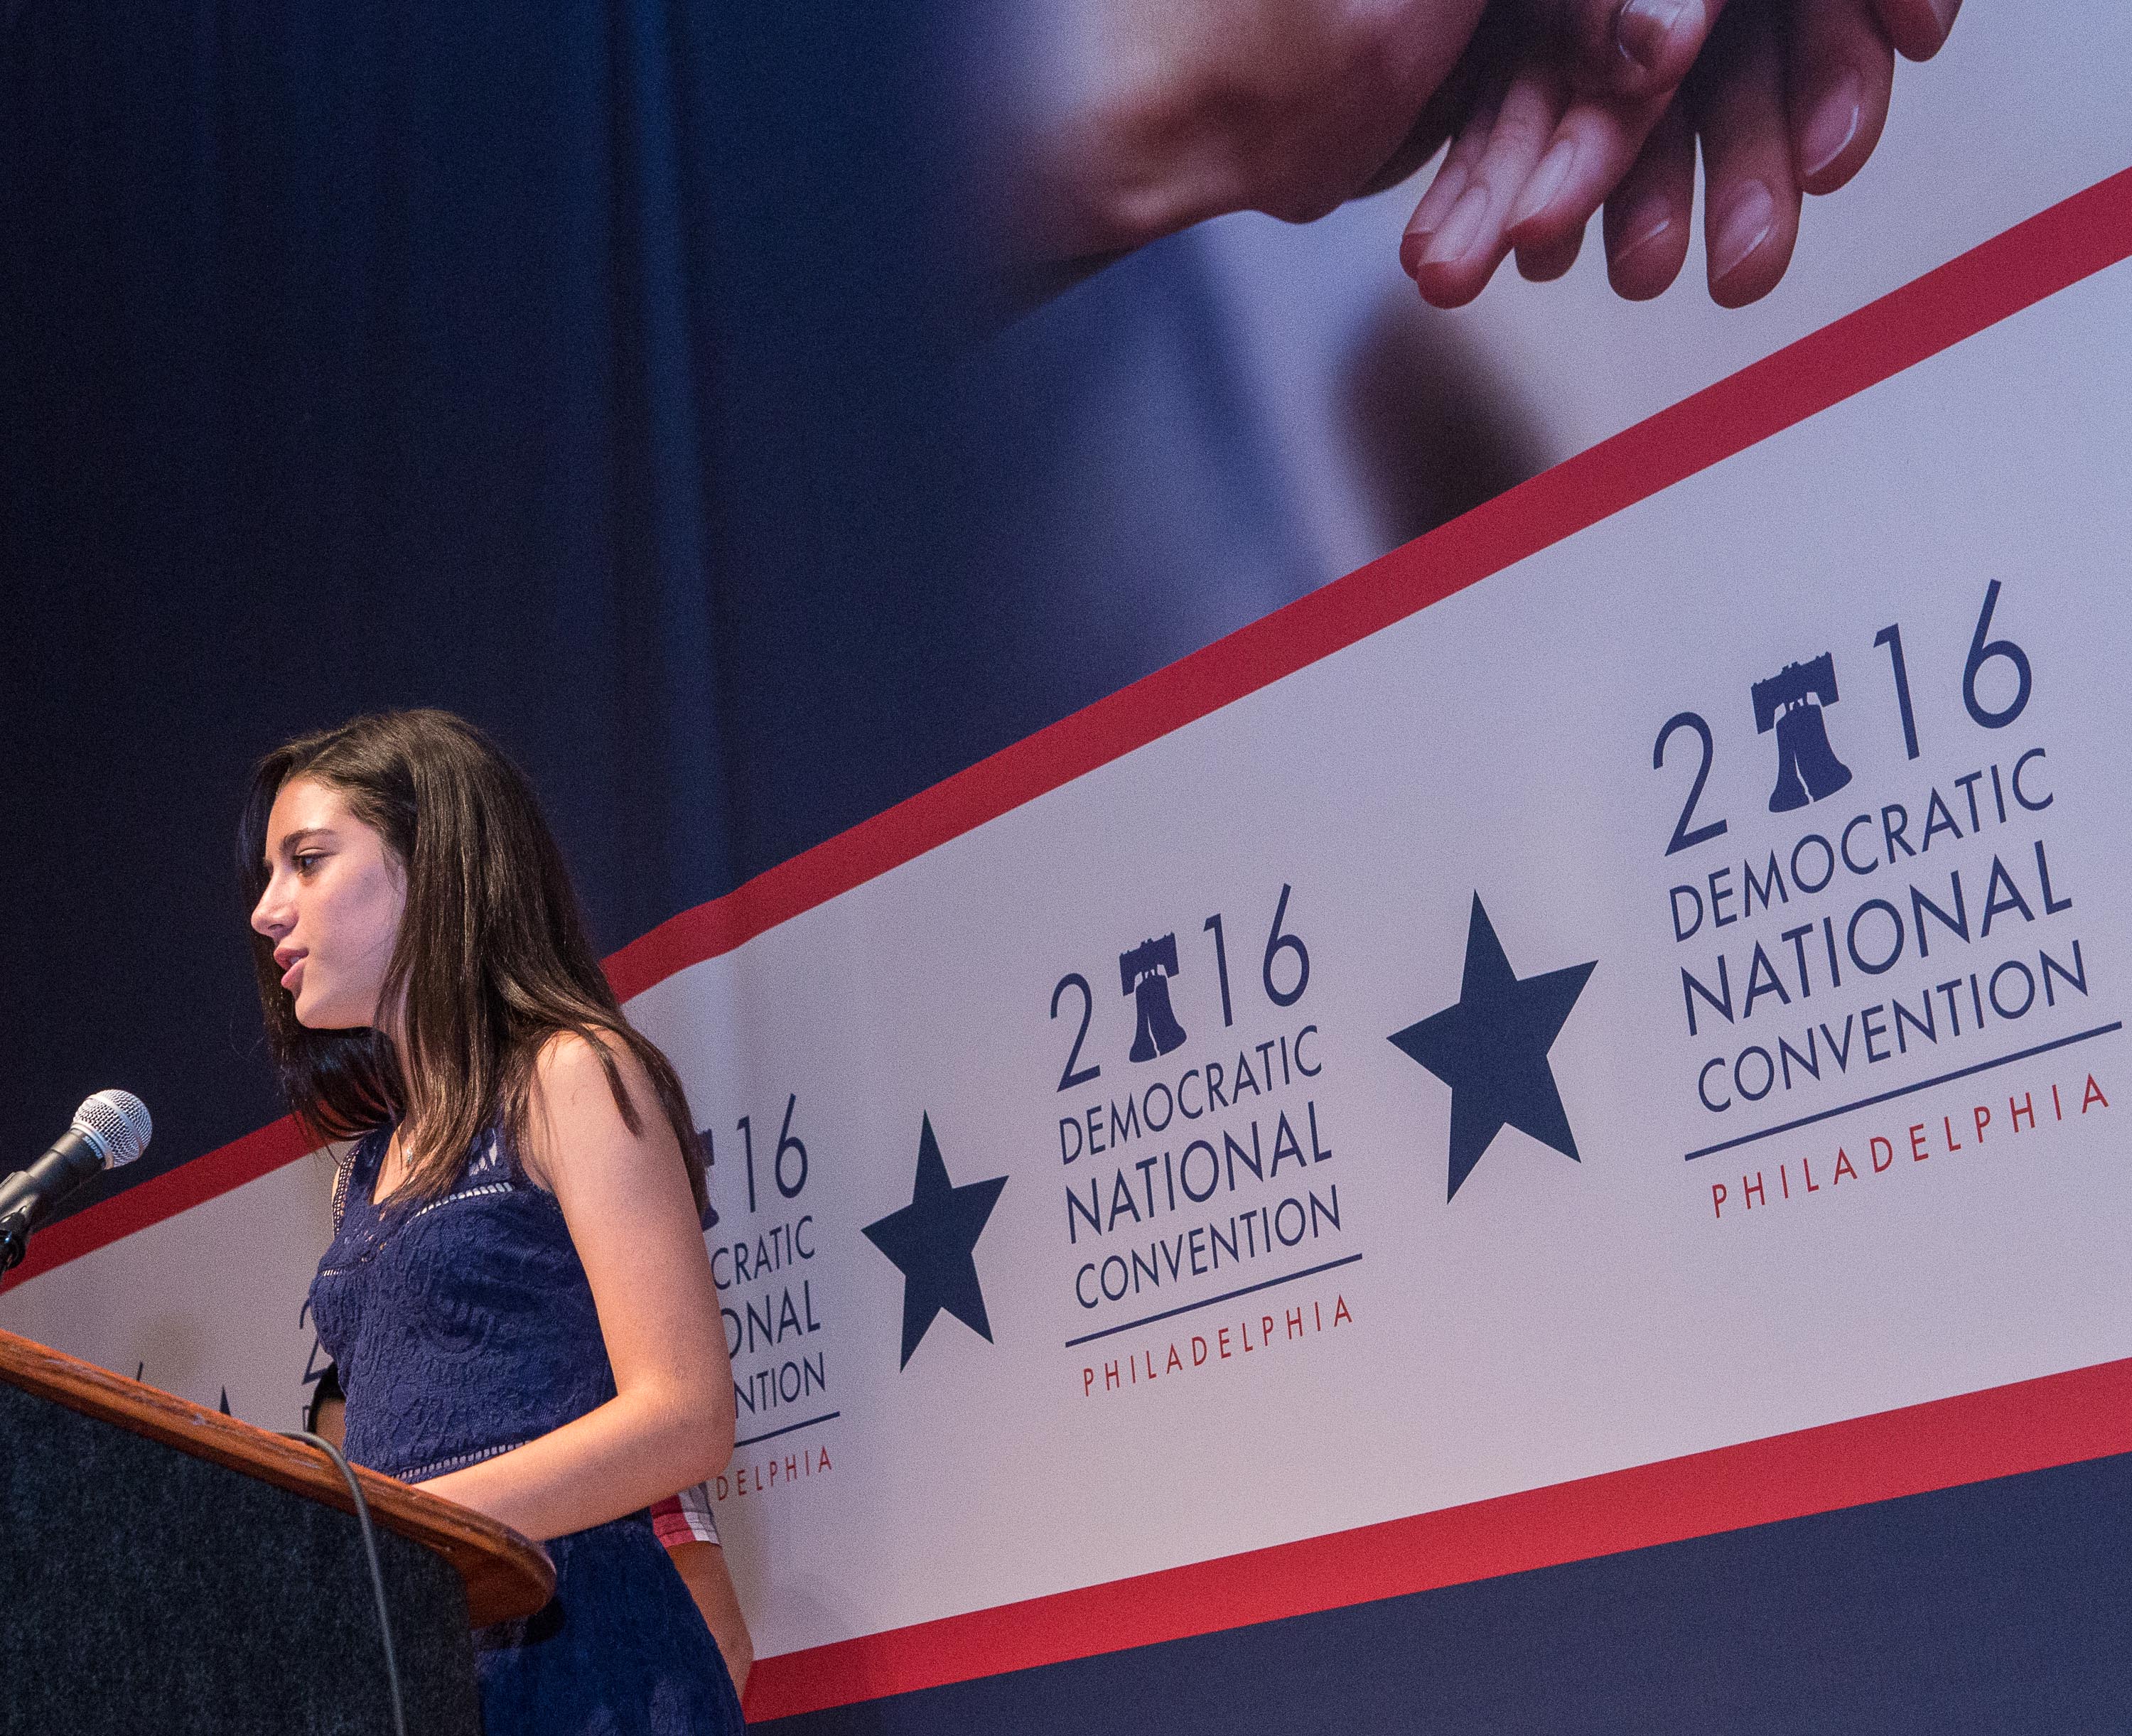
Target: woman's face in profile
<point x="331" y="907"/>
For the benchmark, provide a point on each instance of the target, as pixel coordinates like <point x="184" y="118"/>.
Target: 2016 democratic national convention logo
<point x="764" y="1250"/>
<point x="1195" y="1165"/>
<point x="1904" y="979"/>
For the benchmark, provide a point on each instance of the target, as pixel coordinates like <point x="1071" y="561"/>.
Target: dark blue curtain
<point x="605" y="372"/>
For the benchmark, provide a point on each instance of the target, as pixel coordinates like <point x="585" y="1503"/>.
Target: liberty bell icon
<point x="1807" y="767"/>
<point x="1143" y="973"/>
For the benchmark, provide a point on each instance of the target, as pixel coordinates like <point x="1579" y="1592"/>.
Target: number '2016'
<point x="1983" y="650"/>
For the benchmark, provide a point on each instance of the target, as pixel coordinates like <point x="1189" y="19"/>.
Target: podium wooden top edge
<point x="506" y="1576"/>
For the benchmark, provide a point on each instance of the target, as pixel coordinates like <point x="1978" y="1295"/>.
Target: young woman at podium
<point x="517" y="1293"/>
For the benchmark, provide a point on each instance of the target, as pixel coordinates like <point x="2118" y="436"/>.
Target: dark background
<point x="609" y="374"/>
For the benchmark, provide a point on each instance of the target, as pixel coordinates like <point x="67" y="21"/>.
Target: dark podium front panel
<point x="144" y="1589"/>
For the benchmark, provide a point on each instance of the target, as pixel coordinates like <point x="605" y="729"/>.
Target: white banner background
<point x="1555" y="1319"/>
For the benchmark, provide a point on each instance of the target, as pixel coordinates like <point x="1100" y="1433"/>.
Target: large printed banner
<point x="1665" y="995"/>
<point x="1668" y="994"/>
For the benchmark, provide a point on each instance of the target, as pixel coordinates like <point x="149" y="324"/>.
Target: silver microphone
<point x="117" y="1124"/>
<point x="111" y="1129"/>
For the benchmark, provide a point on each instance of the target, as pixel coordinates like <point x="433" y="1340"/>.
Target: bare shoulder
<point x="569" y="1066"/>
<point x="574" y="1107"/>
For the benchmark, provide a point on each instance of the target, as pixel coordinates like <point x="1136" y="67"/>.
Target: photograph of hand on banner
<point x="1551" y="108"/>
<point x="1574" y="103"/>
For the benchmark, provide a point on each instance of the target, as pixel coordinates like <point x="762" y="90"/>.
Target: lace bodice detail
<point x="462" y="1326"/>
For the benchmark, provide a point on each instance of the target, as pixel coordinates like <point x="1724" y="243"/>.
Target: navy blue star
<point x="1490" y="1048"/>
<point x="933" y="1240"/>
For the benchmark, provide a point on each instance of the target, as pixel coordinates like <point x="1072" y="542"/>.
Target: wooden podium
<point x="165" y="1568"/>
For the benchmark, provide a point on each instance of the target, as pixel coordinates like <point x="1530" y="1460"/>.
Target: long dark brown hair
<point x="491" y="961"/>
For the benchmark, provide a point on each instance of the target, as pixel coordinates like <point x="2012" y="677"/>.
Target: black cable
<point x="377" y="1574"/>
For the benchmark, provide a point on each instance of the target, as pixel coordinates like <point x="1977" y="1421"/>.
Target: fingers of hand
<point x="1543" y="265"/>
<point x="1536" y="192"/>
<point x="1468" y="147"/>
<point x="1840" y="68"/>
<point x="1648" y="216"/>
<point x="1458" y="234"/>
<point x="1593" y="146"/>
<point x="1631" y="47"/>
<point x="1654" y="42"/>
<point x="1917" y="28"/>
<point x="1751" y="214"/>
<point x="1790" y="96"/>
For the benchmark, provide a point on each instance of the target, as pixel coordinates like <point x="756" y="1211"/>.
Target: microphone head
<point x="117" y="1124"/>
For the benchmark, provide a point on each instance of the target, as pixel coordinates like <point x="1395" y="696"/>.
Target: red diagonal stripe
<point x="2060" y="1419"/>
<point x="165" y="1196"/>
<point x="2030" y="262"/>
<point x="2033" y="260"/>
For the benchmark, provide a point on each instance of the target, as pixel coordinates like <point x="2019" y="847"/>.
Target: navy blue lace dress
<point x="463" y="1327"/>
